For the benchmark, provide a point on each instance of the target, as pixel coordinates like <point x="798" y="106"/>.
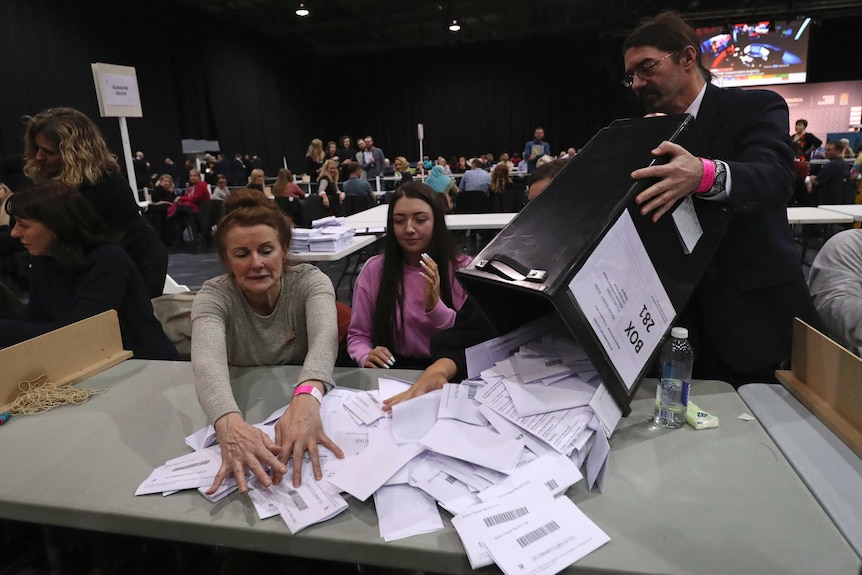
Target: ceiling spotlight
<point x="302" y="10"/>
<point x="454" y="26"/>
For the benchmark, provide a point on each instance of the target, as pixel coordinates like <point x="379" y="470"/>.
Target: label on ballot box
<point x="623" y="299"/>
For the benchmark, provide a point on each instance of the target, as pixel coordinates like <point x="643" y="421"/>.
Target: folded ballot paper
<point x="498" y="452"/>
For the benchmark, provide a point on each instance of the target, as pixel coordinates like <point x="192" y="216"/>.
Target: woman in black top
<point x="505" y="195"/>
<point x="64" y="145"/>
<point x="161" y="198"/>
<point x="76" y="273"/>
<point x="314" y="157"/>
<point x="346" y="154"/>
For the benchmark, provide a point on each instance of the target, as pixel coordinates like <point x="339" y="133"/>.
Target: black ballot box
<point x="582" y="250"/>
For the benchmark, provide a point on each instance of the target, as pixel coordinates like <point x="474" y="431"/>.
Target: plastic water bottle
<point x="671" y="395"/>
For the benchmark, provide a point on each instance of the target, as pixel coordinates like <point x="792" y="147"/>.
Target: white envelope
<point x="365" y="473"/>
<point x="531" y="399"/>
<point x="413" y="418"/>
<point x="535" y="367"/>
<point x="477" y="445"/>
<point x="546" y="542"/>
<point x="404" y="511"/>
<point x="457" y="402"/>
<point x="606" y="408"/>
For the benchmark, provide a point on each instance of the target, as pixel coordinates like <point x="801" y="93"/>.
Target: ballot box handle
<point x="510" y="269"/>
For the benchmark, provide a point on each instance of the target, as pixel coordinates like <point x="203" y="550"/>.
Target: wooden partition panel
<point x="828" y="380"/>
<point x="66" y="355"/>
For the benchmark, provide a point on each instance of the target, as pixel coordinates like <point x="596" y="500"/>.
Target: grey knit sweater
<point x="225" y="331"/>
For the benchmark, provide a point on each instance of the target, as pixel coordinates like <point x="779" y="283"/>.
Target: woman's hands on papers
<point x="243" y="446"/>
<point x="299" y="430"/>
<point x="434" y="377"/>
<point x="676" y="179"/>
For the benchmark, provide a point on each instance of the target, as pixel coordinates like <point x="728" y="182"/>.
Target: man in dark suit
<point x="742" y="311"/>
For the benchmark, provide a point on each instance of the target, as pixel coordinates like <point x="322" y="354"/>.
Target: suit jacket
<point x="754" y="287"/>
<point x="376" y="169"/>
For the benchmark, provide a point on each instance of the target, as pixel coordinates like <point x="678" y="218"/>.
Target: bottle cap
<point x="679" y="333"/>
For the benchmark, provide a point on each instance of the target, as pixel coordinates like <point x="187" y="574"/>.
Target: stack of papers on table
<point x="497" y="451"/>
<point x="331" y="239"/>
<point x="328" y="221"/>
<point x="300" y="238"/>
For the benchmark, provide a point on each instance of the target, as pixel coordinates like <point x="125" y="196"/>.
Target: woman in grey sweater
<point x="263" y="312"/>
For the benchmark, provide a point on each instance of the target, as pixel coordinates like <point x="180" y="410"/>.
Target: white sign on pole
<point x="120" y="90"/>
<point x="117" y="92"/>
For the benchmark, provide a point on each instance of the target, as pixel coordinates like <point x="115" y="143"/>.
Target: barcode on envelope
<point x="190" y="465"/>
<point x="505" y="516"/>
<point x="472" y="390"/>
<point x="537" y="534"/>
<point x="551" y="484"/>
<point x="451" y="479"/>
<point x="297" y="499"/>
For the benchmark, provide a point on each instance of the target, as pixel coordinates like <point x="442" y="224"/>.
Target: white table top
<point x="490" y="221"/>
<point x="376" y="218"/>
<point x="676" y="501"/>
<point x="853" y="210"/>
<point x="356" y="244"/>
<point x="810" y="215"/>
<point x="372" y="217"/>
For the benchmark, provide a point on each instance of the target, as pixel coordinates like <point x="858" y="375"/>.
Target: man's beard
<point x="652" y="100"/>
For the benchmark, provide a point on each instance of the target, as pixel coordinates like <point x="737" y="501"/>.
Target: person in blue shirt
<point x="536" y="148"/>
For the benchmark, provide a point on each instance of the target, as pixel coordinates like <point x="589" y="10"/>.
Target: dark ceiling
<point x="340" y="27"/>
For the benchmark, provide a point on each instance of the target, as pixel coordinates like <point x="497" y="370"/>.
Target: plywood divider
<point x="66" y="355"/>
<point x="827" y="379"/>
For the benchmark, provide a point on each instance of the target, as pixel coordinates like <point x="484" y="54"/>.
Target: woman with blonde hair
<point x="64" y="145"/>
<point x="256" y="180"/>
<point x="327" y="187"/>
<point x="402" y="167"/>
<point x="314" y="158"/>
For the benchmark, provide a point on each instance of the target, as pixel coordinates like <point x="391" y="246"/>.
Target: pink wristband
<point x="708" y="178"/>
<point x="309" y="389"/>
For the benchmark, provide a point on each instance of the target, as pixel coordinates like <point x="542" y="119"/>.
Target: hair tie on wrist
<point x="708" y="178"/>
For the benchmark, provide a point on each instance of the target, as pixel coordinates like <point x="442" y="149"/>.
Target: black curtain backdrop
<point x="205" y="79"/>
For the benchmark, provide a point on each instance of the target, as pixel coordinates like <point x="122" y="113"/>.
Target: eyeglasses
<point x="645" y="71"/>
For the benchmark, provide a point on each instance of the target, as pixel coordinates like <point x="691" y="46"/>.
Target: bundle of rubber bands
<point x="41" y="395"/>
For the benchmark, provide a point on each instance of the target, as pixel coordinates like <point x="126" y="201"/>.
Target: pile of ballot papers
<point x="327" y="234"/>
<point x="497" y="451"/>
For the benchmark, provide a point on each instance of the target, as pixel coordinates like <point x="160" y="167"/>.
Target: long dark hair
<point x="386" y="329"/>
<point x="63" y="210"/>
